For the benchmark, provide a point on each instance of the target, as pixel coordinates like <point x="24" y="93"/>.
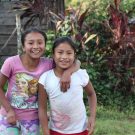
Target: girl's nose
<point x="35" y="45"/>
<point x="64" y="56"/>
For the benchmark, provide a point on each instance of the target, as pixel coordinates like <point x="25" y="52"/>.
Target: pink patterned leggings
<point x="23" y="127"/>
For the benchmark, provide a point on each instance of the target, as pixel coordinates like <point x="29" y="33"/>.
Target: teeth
<point x="35" y="52"/>
<point x="64" y="62"/>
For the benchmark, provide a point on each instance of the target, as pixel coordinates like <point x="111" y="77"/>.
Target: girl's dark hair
<point x="61" y="40"/>
<point x="30" y="30"/>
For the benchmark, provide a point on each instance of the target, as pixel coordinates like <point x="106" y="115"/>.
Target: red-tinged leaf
<point x="21" y="6"/>
<point x="82" y="18"/>
<point x="27" y="13"/>
<point x="30" y="21"/>
<point x="124" y="24"/>
<point x="117" y="3"/>
<point x="78" y="37"/>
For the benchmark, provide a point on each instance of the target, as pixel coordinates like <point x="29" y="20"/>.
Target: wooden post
<point x="18" y="27"/>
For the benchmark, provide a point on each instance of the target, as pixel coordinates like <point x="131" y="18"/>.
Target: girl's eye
<point x="39" y="43"/>
<point x="69" y="53"/>
<point x="30" y="43"/>
<point x="60" y="52"/>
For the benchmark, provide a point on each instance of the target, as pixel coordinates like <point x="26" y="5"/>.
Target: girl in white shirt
<point x="67" y="109"/>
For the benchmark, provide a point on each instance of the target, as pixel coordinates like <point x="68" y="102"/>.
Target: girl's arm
<point x="92" y="106"/>
<point x="42" y="102"/>
<point x="65" y="79"/>
<point x="5" y="103"/>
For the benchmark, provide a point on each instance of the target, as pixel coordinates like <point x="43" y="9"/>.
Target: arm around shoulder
<point x="65" y="79"/>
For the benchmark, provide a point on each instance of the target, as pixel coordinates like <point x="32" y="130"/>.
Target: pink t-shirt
<point x="23" y="86"/>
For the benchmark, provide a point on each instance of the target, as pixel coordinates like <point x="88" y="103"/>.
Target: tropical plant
<point x="120" y="50"/>
<point x="34" y="10"/>
<point x="74" y="24"/>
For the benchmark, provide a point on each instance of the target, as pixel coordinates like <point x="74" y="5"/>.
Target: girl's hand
<point x="11" y="117"/>
<point x="91" y="124"/>
<point x="65" y="81"/>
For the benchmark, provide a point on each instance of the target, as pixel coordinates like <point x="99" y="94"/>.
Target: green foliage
<point x="105" y="84"/>
<point x="128" y="7"/>
<point x="100" y="7"/>
<point x="50" y="39"/>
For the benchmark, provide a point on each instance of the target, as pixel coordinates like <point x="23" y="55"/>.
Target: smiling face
<point x="34" y="45"/>
<point x="64" y="56"/>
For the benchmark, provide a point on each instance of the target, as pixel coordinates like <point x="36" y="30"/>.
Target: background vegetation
<point x="105" y="42"/>
<point x="105" y="46"/>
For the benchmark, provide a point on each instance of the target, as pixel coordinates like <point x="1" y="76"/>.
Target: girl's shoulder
<point x="49" y="72"/>
<point x="9" y="64"/>
<point x="12" y="59"/>
<point x="81" y="72"/>
<point x="83" y="76"/>
<point x="45" y="76"/>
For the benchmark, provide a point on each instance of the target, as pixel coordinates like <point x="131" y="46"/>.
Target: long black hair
<point x="64" y="39"/>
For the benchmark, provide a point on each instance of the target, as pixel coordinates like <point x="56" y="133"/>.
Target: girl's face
<point x="34" y="45"/>
<point x="64" y="56"/>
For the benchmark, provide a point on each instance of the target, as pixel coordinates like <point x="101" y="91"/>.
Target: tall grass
<point x="113" y="122"/>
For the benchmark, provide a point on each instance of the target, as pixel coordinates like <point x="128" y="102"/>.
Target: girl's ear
<point x="23" y="49"/>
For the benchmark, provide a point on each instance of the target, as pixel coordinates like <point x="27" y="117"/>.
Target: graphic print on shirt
<point x="61" y="121"/>
<point x="24" y="92"/>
